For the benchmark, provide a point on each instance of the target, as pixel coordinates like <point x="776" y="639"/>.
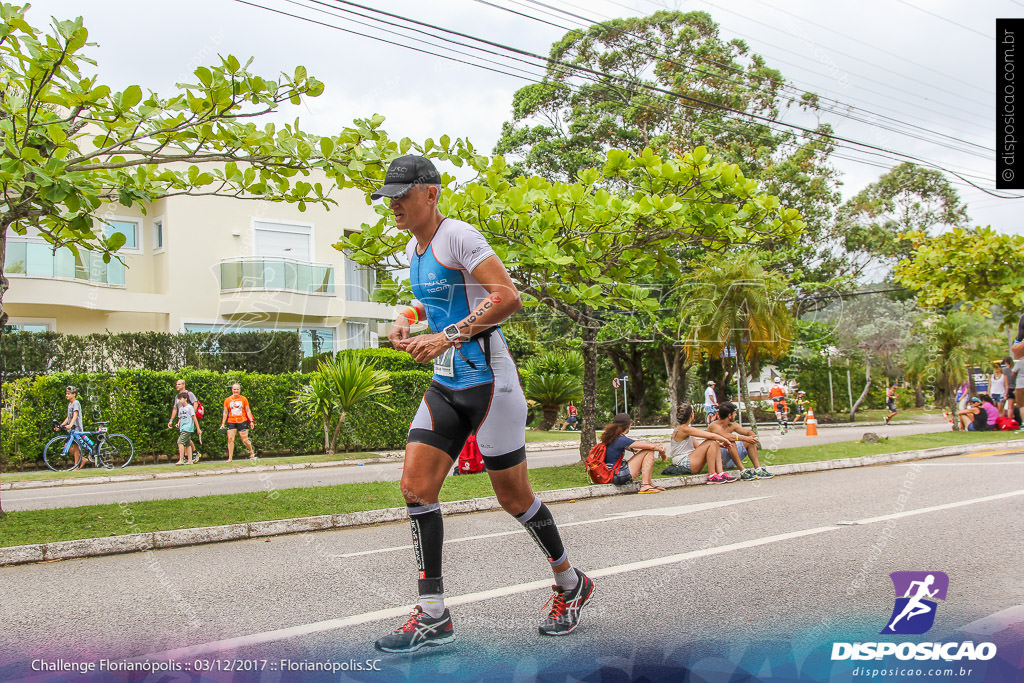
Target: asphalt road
<point x="758" y="577"/>
<point x="88" y="494"/>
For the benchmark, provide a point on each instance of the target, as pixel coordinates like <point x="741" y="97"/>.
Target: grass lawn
<point x="41" y="526"/>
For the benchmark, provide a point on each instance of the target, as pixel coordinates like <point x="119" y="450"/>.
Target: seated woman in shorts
<point x="689" y="458"/>
<point x="637" y="455"/>
<point x="973" y="418"/>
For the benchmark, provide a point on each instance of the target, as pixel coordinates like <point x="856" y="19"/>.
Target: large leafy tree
<point x="977" y="268"/>
<point x="71" y="144"/>
<point x="578" y="248"/>
<point x="553" y="379"/>
<point x="878" y="222"/>
<point x="874" y="328"/>
<point x="670" y="82"/>
<point x="734" y="302"/>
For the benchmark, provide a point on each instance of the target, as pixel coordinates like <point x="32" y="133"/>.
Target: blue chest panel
<point x="442" y="291"/>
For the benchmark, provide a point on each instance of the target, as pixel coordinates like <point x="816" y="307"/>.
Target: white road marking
<point x="660" y="512"/>
<point x="394" y="612"/>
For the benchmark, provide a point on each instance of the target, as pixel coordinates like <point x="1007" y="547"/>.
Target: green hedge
<point x="138" y="403"/>
<point x="391" y="360"/>
<point x="28" y="354"/>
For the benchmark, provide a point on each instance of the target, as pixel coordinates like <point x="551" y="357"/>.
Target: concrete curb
<point x="385" y="457"/>
<point x="95" y="547"/>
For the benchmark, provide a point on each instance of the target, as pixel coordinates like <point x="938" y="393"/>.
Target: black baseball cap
<point x="405" y="172"/>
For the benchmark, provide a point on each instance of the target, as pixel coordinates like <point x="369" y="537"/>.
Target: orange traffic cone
<point x="812" y="423"/>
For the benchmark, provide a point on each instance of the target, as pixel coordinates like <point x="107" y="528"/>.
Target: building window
<point x="357" y="335"/>
<point x="283" y="240"/>
<point x="130" y="230"/>
<point x="158" y="234"/>
<point x="28" y="326"/>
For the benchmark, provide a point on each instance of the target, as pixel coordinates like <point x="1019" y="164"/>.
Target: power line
<point x="945" y="19"/>
<point x="599" y="74"/>
<point x="782" y="84"/>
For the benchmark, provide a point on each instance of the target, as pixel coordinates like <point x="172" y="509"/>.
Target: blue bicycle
<point x="110" y="451"/>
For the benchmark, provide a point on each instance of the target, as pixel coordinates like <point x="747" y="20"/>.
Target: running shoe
<point x="419" y="631"/>
<point x="747" y="474"/>
<point x="724" y="478"/>
<point x="714" y="479"/>
<point x="566" y="607"/>
<point x="762" y="473"/>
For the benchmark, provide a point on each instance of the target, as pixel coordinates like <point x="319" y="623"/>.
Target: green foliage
<point x="138" y="404"/>
<point x="27" y="354"/>
<point x="336" y="387"/>
<point x="878" y="222"/>
<point x="977" y="268"/>
<point x="73" y="144"/>
<point x="553" y="379"/>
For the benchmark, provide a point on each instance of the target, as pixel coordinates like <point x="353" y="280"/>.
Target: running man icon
<point x="915" y="601"/>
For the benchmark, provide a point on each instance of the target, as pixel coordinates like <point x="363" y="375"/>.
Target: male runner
<point x="465" y="292"/>
<point x="801" y="407"/>
<point x="890" y="402"/>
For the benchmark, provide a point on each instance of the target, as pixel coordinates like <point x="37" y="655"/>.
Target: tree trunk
<point x="741" y="367"/>
<point x="588" y="409"/>
<point x="327" y="439"/>
<point x="867" y="386"/>
<point x="337" y="429"/>
<point x="951" y="398"/>
<point x="672" y="370"/>
<point x="549" y="418"/>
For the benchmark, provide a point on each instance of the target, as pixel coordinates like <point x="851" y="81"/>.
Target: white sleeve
<point x="468" y="247"/>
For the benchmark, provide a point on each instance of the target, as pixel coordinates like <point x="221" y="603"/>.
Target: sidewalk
<point x="156" y="540"/>
<point x="382" y="457"/>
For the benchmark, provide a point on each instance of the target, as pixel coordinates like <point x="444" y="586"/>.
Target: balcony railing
<point x="31" y="258"/>
<point x="277" y="274"/>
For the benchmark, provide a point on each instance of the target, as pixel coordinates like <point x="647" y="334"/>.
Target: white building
<point x="206" y="264"/>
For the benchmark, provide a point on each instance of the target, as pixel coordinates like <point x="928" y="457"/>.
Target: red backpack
<point x="199" y="410"/>
<point x="599" y="472"/>
<point x="1006" y="424"/>
<point x="471" y="460"/>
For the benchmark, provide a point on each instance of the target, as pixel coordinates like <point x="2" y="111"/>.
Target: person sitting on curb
<point x="637" y="455"/>
<point x="743" y="443"/>
<point x="991" y="410"/>
<point x="688" y="458"/>
<point x="973" y="418"/>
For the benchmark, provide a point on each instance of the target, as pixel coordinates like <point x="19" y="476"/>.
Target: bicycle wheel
<point x="56" y="457"/>
<point x="116" y="451"/>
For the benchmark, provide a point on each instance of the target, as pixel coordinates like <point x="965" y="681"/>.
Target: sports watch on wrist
<point x="452" y="333"/>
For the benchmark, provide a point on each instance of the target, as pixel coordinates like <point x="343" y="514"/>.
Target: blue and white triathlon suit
<point x="471" y="391"/>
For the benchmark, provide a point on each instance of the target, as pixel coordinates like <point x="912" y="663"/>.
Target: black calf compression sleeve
<point x="541" y="525"/>
<point x="427" y="541"/>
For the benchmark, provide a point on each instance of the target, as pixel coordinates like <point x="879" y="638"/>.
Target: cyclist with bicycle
<point x="72" y="424"/>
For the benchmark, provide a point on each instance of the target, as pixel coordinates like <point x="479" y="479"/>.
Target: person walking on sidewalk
<point x="188" y="426"/>
<point x="465" y="292"/>
<point x="710" y="402"/>
<point x="192" y="452"/>
<point x="239" y="420"/>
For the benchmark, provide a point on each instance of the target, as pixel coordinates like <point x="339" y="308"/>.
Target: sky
<point x="927" y="63"/>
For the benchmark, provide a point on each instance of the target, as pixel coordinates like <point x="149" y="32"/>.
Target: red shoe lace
<point x="414" y="620"/>
<point x="557" y="602"/>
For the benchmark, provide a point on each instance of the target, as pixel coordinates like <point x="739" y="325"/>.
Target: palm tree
<point x="336" y="387"/>
<point x="553" y="379"/>
<point x="735" y="302"/>
<point x="949" y="341"/>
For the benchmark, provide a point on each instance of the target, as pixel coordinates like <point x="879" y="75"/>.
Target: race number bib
<point x="444" y="365"/>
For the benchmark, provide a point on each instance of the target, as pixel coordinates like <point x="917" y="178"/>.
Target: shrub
<point x="28" y="354"/>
